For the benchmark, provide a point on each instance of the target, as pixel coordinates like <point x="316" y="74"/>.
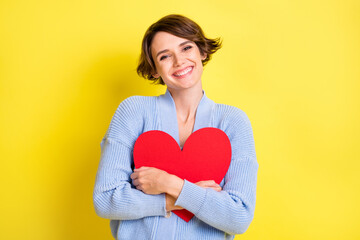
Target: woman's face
<point x="177" y="61"/>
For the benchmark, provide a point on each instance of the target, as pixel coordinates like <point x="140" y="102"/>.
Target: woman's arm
<point x="154" y="181"/>
<point x="114" y="197"/>
<point x="232" y="209"/>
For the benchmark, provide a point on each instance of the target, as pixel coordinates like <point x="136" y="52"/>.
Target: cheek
<point x="163" y="67"/>
<point x="196" y="56"/>
<point x="167" y="65"/>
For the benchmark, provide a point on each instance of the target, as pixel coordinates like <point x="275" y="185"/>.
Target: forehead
<point x="164" y="40"/>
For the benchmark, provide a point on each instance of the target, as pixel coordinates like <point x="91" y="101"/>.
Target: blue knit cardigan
<point x="136" y="215"/>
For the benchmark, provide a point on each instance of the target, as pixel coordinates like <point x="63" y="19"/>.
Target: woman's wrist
<point x="173" y="185"/>
<point x="170" y="203"/>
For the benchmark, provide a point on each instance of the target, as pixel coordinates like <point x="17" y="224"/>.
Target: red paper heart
<point x="206" y="155"/>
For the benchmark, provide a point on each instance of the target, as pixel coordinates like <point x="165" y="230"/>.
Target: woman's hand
<point x="155" y="181"/>
<point x="209" y="184"/>
<point x="149" y="180"/>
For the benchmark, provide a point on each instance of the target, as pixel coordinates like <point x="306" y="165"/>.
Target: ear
<point x="203" y="57"/>
<point x="156" y="75"/>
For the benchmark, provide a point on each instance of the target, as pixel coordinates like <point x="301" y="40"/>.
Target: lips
<point x="183" y="72"/>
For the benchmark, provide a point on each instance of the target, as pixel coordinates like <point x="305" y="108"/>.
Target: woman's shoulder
<point x="137" y="101"/>
<point x="236" y="124"/>
<point x="135" y="105"/>
<point x="134" y="108"/>
<point x="231" y="114"/>
<point x="130" y="116"/>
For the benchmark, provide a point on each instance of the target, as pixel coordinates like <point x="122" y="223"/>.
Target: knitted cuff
<point x="191" y="197"/>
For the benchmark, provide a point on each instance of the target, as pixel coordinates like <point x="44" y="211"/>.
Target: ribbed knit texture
<point x="135" y="215"/>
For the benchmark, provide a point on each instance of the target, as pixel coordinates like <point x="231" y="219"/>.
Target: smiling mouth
<point x="183" y="72"/>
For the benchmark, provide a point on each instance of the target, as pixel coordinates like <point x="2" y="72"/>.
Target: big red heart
<point x="206" y="155"/>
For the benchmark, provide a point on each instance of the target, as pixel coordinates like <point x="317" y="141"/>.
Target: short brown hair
<point x="179" y="26"/>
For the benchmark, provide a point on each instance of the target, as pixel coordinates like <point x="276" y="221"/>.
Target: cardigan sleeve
<point x="232" y="209"/>
<point x="114" y="197"/>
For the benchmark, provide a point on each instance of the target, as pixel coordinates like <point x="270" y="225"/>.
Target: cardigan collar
<point x="168" y="118"/>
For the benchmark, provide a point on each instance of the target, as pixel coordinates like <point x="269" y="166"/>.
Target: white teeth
<point x="184" y="72"/>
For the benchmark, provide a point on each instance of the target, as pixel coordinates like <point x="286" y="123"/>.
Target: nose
<point x="178" y="60"/>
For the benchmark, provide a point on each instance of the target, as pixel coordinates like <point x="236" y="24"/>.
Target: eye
<point x="187" y="48"/>
<point x="163" y="57"/>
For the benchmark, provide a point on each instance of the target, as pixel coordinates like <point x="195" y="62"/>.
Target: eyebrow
<point x="181" y="44"/>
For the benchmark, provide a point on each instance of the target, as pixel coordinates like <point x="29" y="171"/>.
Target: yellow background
<point x="292" y="66"/>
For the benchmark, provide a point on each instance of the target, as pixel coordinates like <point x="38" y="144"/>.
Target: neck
<point x="186" y="102"/>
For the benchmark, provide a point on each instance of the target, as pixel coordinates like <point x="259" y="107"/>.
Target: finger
<point x="138" y="187"/>
<point x="216" y="188"/>
<point x="134" y="176"/>
<point x="201" y="183"/>
<point x="135" y="183"/>
<point x="215" y="185"/>
<point x="209" y="181"/>
<point x="211" y="184"/>
<point x="141" y="169"/>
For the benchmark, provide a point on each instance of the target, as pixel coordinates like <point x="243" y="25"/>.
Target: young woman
<point x="139" y="201"/>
